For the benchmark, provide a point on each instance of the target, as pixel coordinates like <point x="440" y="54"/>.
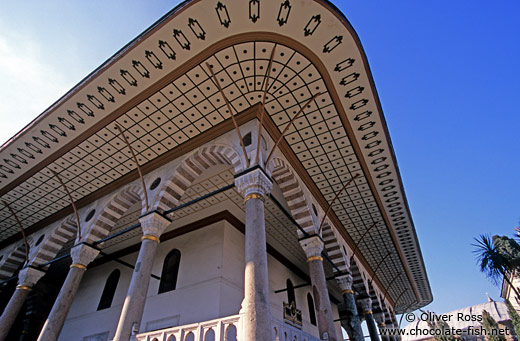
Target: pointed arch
<point x="293" y="194"/>
<point x="311" y="307"/>
<point x="113" y="211"/>
<point x="191" y="168"/>
<point x="359" y="284"/>
<point x="374" y="297"/>
<point x="209" y="335"/>
<point x="299" y="207"/>
<point x="52" y="244"/>
<point x="12" y="262"/>
<point x="189" y="337"/>
<point x="107" y="296"/>
<point x="231" y="333"/>
<point x="170" y="271"/>
<point x="334" y="249"/>
<point x="291" y="297"/>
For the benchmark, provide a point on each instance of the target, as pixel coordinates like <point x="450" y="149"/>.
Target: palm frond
<point x="489" y="259"/>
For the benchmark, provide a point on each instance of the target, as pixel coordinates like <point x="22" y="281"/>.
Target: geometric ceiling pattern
<point x="159" y="90"/>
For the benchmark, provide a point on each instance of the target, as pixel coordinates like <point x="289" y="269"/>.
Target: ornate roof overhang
<point x="159" y="90"/>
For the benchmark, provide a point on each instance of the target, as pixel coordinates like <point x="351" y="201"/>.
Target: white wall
<point x="209" y="285"/>
<point x="196" y="297"/>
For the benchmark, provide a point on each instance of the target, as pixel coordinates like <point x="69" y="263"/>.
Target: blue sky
<point x="447" y="76"/>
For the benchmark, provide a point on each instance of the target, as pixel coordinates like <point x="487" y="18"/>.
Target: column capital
<point x="153" y="225"/>
<point x="253" y="182"/>
<point x="312" y="246"/>
<point x="345" y="283"/>
<point x="28" y="276"/>
<point x="380" y="318"/>
<point x="82" y="255"/>
<point x="366" y="305"/>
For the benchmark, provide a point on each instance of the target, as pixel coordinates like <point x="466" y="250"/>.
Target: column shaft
<point x="379" y="318"/>
<point x="313" y="247"/>
<point x="133" y="306"/>
<point x="153" y="225"/>
<point x="255" y="307"/>
<point x="321" y="300"/>
<point x="11" y="310"/>
<point x="256" y="312"/>
<point x="27" y="277"/>
<point x="54" y="323"/>
<point x="372" y="327"/>
<point x="384" y="336"/>
<point x="82" y="255"/>
<point x="353" y="321"/>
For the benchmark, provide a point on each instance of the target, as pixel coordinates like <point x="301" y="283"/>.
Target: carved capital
<point x="312" y="246"/>
<point x="380" y="318"/>
<point x="83" y="254"/>
<point x="345" y="282"/>
<point x="29" y="276"/>
<point x="153" y="224"/>
<point x="254" y="182"/>
<point x="366" y="305"/>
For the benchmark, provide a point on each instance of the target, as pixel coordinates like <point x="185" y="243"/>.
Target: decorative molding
<point x="29" y="276"/>
<point x="153" y="225"/>
<point x="253" y="182"/>
<point x="312" y="246"/>
<point x="366" y="305"/>
<point x="345" y="281"/>
<point x="83" y="254"/>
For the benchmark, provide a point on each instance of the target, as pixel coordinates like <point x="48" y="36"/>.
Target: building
<point x="466" y="319"/>
<point x="270" y="204"/>
<point x="507" y="292"/>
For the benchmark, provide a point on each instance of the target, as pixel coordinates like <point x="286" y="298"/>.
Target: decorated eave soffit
<point x="159" y="89"/>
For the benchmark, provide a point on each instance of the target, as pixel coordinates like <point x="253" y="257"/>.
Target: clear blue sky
<point x="447" y="73"/>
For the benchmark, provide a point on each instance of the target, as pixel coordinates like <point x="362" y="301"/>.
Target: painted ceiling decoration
<point x="159" y="90"/>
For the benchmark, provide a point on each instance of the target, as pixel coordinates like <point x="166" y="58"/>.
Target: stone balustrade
<point x="223" y="329"/>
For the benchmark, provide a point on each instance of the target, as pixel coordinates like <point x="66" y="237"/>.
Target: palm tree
<point x="509" y="248"/>
<point x="494" y="263"/>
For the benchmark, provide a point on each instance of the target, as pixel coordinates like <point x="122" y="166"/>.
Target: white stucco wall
<point x="210" y="285"/>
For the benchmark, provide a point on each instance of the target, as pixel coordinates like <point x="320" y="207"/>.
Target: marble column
<point x="313" y="246"/>
<point x="390" y="325"/>
<point x="353" y="321"/>
<point x="380" y="319"/>
<point x="27" y="278"/>
<point x="394" y="325"/>
<point x="81" y="255"/>
<point x="254" y="186"/>
<point x="366" y="304"/>
<point x="153" y="225"/>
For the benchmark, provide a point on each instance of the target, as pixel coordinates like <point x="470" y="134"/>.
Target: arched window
<point x="210" y="335"/>
<point x="312" y="312"/>
<point x="190" y="337"/>
<point x="290" y="292"/>
<point x="170" y="271"/>
<point x="231" y="333"/>
<point x="110" y="289"/>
